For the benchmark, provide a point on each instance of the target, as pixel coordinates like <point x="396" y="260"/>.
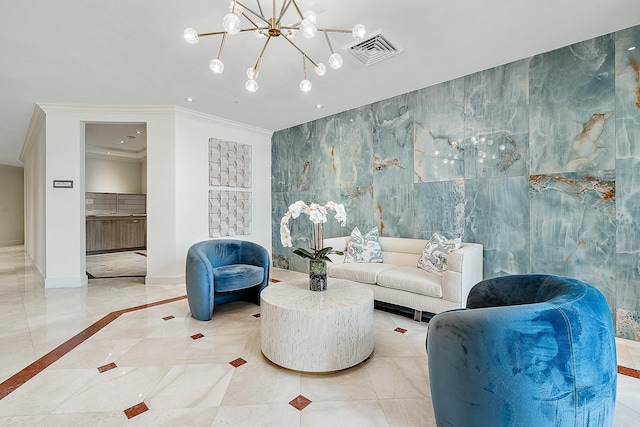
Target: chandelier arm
<point x="301" y="51"/>
<point x="328" y="41"/>
<point x="224" y="37"/>
<point x="254" y="13"/>
<point x="332" y="30"/>
<point x="304" y="66"/>
<point x="285" y="7"/>
<point x="212" y="34"/>
<point x="255" y="68"/>
<point x="260" y="8"/>
<point x="257" y="27"/>
<point x="297" y="9"/>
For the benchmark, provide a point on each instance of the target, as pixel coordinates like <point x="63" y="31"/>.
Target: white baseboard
<point x="65" y="282"/>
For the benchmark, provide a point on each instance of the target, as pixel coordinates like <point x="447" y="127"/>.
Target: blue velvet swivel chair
<point x="529" y="350"/>
<point x="224" y="270"/>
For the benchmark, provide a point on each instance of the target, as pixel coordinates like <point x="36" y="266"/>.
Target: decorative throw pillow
<point x="435" y="253"/>
<point x="364" y="248"/>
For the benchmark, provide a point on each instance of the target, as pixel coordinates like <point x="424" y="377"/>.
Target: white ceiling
<point x="133" y="52"/>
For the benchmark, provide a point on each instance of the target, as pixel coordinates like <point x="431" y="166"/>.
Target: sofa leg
<point x="417" y="315"/>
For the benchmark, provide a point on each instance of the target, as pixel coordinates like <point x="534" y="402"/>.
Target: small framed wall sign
<point x="59" y="183"/>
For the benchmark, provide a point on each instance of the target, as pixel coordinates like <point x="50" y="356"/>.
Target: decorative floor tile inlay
<point x="17" y="380"/>
<point x="136" y="410"/>
<point x="300" y="402"/>
<point x="256" y="315"/>
<point x="168" y="317"/>
<point x="628" y="371"/>
<point x="107" y="367"/>
<point x="238" y="362"/>
<point x="401" y="330"/>
<point x="197" y="336"/>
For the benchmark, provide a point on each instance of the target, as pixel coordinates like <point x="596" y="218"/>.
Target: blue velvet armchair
<point x="224" y="270"/>
<point x="529" y="350"/>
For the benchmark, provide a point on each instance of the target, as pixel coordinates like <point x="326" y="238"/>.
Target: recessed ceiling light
<point x="319" y="106"/>
<point x="632" y="48"/>
<point x="138" y="132"/>
<point x="189" y="99"/>
<point x="108" y="152"/>
<point x="121" y="142"/>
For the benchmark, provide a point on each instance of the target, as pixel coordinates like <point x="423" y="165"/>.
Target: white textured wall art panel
<point x="229" y="213"/>
<point x="229" y="164"/>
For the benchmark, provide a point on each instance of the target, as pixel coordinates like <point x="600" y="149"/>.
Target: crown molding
<point x="33" y="131"/>
<point x="208" y="118"/>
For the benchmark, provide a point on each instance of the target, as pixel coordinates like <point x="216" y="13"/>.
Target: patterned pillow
<point x="435" y="253"/>
<point x="364" y="248"/>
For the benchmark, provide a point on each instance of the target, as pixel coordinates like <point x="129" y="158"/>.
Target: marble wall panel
<point x="573" y="219"/>
<point x="393" y="126"/>
<point x="572" y="107"/>
<point x="628" y="295"/>
<point x="438" y="154"/>
<point x="497" y="121"/>
<point x="628" y="252"/>
<point x="556" y="199"/>
<point x="497" y="215"/>
<point x="439" y="206"/>
<point x="628" y="97"/>
<point x="343" y="150"/>
<point x="393" y="210"/>
<point x="628" y="210"/>
<point x="292" y="158"/>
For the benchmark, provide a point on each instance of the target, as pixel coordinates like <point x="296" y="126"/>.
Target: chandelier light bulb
<point x="251" y="85"/>
<point x="260" y="34"/>
<point x="310" y="15"/>
<point x="335" y="61"/>
<point x="216" y="66"/>
<point x="231" y="23"/>
<point x="359" y="32"/>
<point x="308" y="28"/>
<point x="191" y="36"/>
<point x="252" y="73"/>
<point x="305" y="85"/>
<point x="290" y="33"/>
<point x="321" y="69"/>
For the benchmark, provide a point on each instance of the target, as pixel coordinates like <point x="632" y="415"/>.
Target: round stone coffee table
<point x="316" y="332"/>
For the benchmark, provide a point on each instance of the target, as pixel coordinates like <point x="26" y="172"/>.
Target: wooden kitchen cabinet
<point x="115" y="233"/>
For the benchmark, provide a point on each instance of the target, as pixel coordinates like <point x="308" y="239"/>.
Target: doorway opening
<point x="115" y="200"/>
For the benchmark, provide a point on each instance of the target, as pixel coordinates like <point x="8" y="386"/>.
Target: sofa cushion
<point x="412" y="279"/>
<point x="435" y="253"/>
<point x="364" y="248"/>
<point x="236" y="276"/>
<point x="358" y="272"/>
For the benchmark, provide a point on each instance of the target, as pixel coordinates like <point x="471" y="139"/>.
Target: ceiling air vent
<point x="374" y="48"/>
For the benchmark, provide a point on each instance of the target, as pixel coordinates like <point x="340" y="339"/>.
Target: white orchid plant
<point x="318" y="216"/>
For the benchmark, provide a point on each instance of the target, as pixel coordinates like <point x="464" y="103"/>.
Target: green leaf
<point x="301" y="252"/>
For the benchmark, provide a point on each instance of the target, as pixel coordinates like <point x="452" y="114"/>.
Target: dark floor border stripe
<point x="12" y="383"/>
<point x="629" y="371"/>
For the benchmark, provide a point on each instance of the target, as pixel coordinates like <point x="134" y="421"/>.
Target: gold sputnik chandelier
<point x="272" y="27"/>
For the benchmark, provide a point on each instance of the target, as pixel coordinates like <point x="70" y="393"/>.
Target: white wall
<point x="193" y="131"/>
<point x="33" y="155"/>
<point x="113" y="176"/>
<point x="177" y="185"/>
<point x="11" y="205"/>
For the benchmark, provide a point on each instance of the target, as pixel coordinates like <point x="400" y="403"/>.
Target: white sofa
<point x="398" y="280"/>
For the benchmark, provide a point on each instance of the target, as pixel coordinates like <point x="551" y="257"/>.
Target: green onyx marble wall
<point x="538" y="160"/>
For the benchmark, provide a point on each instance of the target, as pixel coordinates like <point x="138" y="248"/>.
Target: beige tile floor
<point x="118" y="264"/>
<point x="186" y="381"/>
